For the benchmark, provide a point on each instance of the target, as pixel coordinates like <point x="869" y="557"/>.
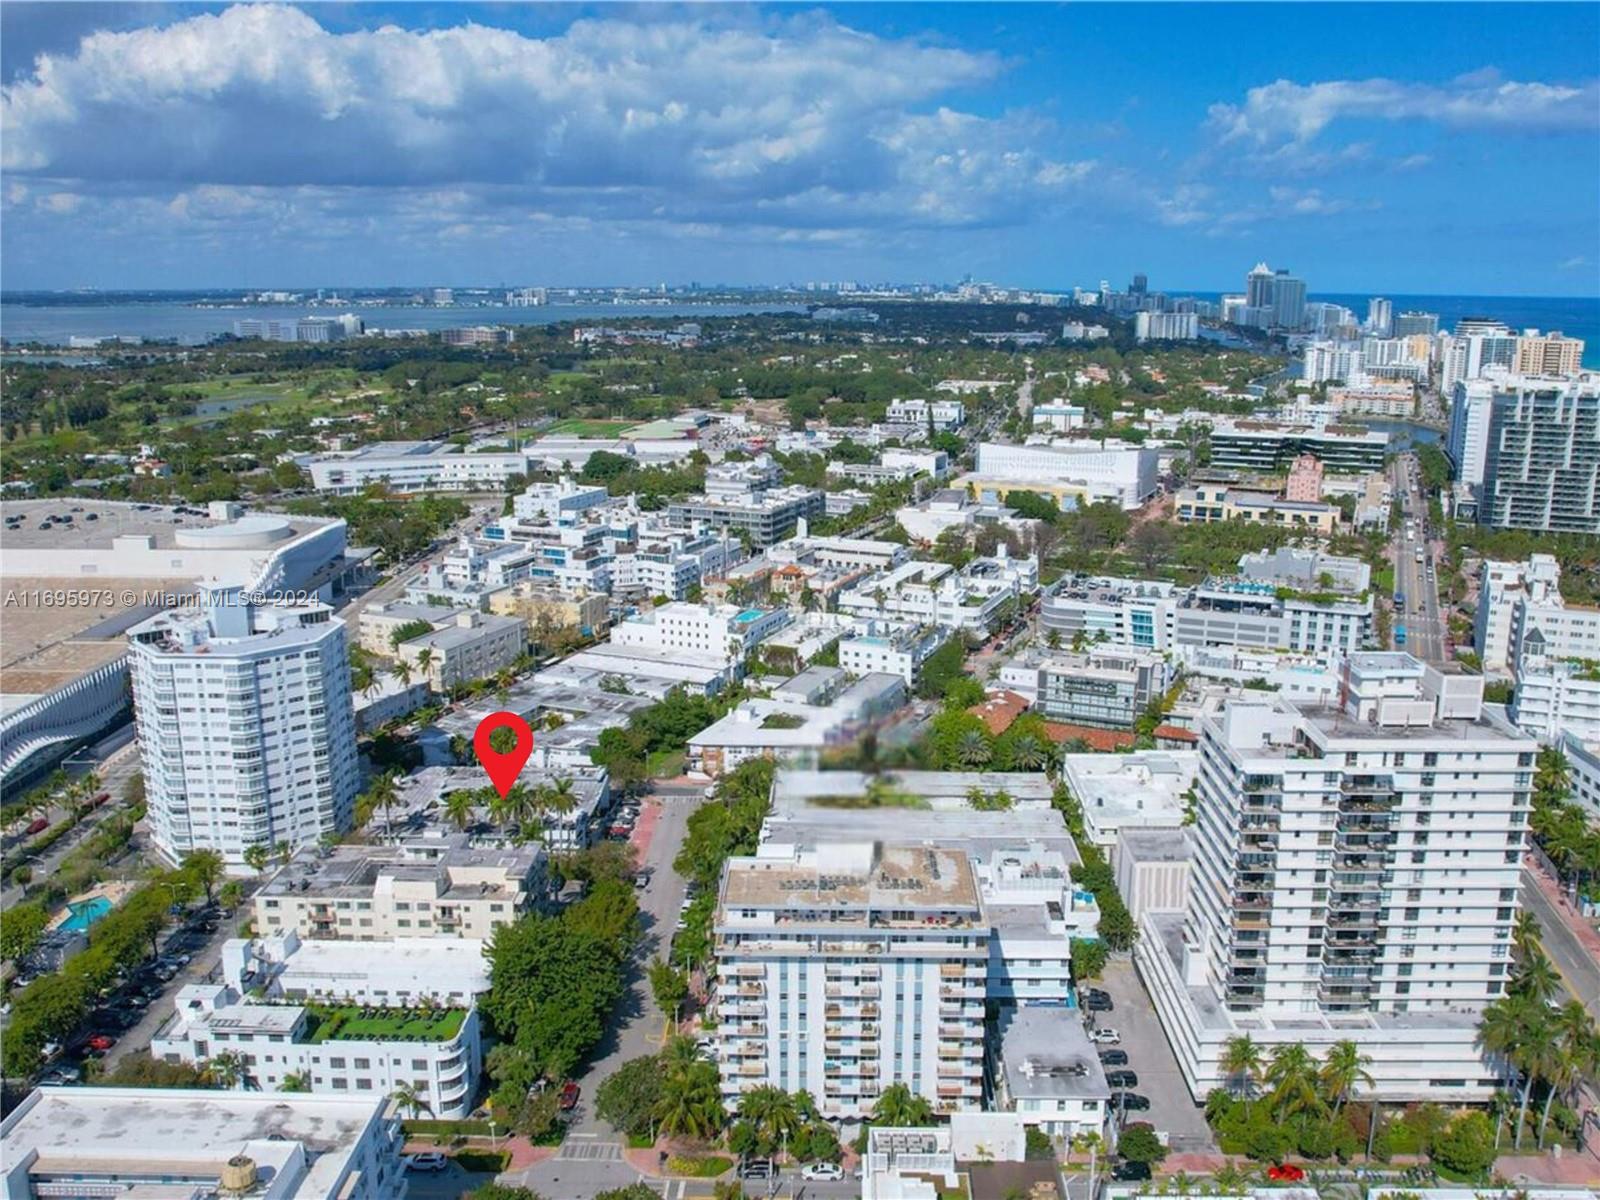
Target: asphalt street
<point x="1424" y="624"/>
<point x="1578" y="970"/>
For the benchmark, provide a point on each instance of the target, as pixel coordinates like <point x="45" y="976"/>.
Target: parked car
<point x="756" y="1168"/>
<point x="60" y="1076"/>
<point x="1122" y="1079"/>
<point x="569" y="1096"/>
<point x="1114" y="1058"/>
<point x="1130" y="1101"/>
<point x="822" y="1171"/>
<point x="1101" y="1003"/>
<point x="1105" y="1037"/>
<point x="1130" y="1172"/>
<point x="100" y="1042"/>
<point x="430" y="1160"/>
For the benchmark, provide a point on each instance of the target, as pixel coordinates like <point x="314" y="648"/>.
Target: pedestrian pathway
<point x="587" y="1147"/>
<point x="1584" y="930"/>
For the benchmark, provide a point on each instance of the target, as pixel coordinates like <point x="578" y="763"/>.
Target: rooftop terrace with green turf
<point x="356" y="1023"/>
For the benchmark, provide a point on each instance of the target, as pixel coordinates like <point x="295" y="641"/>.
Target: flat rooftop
<point x="900" y="877"/>
<point x="1046" y="1055"/>
<point x="151" y="1133"/>
<point x="115" y="519"/>
<point x="940" y="789"/>
<point x="351" y="872"/>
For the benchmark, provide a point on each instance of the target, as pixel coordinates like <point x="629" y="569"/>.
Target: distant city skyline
<point x="1399" y="150"/>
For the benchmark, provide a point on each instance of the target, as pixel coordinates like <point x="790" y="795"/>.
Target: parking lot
<point x="1171" y="1111"/>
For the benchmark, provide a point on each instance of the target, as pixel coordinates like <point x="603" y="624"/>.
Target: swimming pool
<point x="85" y="913"/>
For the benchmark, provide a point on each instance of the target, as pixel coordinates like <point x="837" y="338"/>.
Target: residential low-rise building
<point x="546" y="610"/>
<point x="941" y="415"/>
<point x="1555" y="697"/>
<point x="378" y="623"/>
<point x="116" y="1141"/>
<point x="886" y="648"/>
<point x="795" y="728"/>
<point x="1147" y="789"/>
<point x="474" y="646"/>
<point x="395" y="972"/>
<point x="717" y="633"/>
<point x="1583" y="768"/>
<point x="1107" y="687"/>
<point x="434" y="886"/>
<point x="929" y="593"/>
<point x="344" y="1049"/>
<point x="955" y="508"/>
<point x="1048" y="1072"/>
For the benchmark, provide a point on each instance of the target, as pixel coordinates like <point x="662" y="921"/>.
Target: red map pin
<point x="502" y="769"/>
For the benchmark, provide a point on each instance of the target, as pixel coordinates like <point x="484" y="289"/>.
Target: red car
<point x="569" y="1096"/>
<point x="100" y="1042"/>
<point x="37" y="825"/>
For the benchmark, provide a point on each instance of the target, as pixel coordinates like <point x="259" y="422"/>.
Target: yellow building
<point x="1549" y="354"/>
<point x="1210" y="502"/>
<point x="551" y="608"/>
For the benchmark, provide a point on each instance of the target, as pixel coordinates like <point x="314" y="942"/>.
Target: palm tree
<point x="403" y="669"/>
<point x="205" y="868"/>
<point x="1342" y="1070"/>
<point x="1573" y="1057"/>
<point x="384" y="795"/>
<point x="679" y="1054"/>
<point x="1027" y="754"/>
<point x="296" y="1081"/>
<point x="973" y="749"/>
<point x="1525" y="933"/>
<point x="772" y="1111"/>
<point x="408" y="1100"/>
<point x="560" y="798"/>
<point x="1241" y="1062"/>
<point x="458" y="807"/>
<point x="227" y="1070"/>
<point x="282" y="852"/>
<point x="690" y="1104"/>
<point x="256" y="857"/>
<point x="1293" y="1075"/>
<point x="1500" y="1034"/>
<point x="1536" y="978"/>
<point x="425" y="661"/>
<point x="899" y="1107"/>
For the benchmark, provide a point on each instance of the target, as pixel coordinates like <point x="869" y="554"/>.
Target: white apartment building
<point x="107" y="1141"/>
<point x="1049" y="1073"/>
<point x="245" y="725"/>
<point x="558" y="502"/>
<point x="1541" y="465"/>
<point x="1472" y="349"/>
<point x="720" y="632"/>
<point x="401" y="972"/>
<point x="1522" y="617"/>
<point x="337" y="1050"/>
<point x="1355" y="875"/>
<point x="1145" y="789"/>
<point x="1583" y="764"/>
<point x="1057" y="416"/>
<point x="1087" y="473"/>
<point x="1332" y="362"/>
<point x="414" y="467"/>
<point x="791" y="726"/>
<point x="946" y="414"/>
<point x="430" y="886"/>
<point x="1163" y="327"/>
<point x="837" y="551"/>
<point x="472" y="565"/>
<point x="1035" y="912"/>
<point x="378" y="623"/>
<point x="886" y="648"/>
<point x="847" y="968"/>
<point x="1556" y="697"/>
<point x="1467" y="443"/>
<point x="925" y="593"/>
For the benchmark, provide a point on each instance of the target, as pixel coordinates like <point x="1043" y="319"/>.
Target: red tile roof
<point x="1098" y="739"/>
<point x="999" y="709"/>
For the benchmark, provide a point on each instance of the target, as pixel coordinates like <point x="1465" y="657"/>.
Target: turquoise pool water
<point x="748" y="615"/>
<point x="85" y="913"/>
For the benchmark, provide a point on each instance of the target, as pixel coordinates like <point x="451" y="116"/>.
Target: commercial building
<point x="409" y="467"/>
<point x="1270" y="449"/>
<point x="1355" y="876"/>
<point x="335" y="1050"/>
<point x="1067" y="472"/>
<point x="1207" y="503"/>
<point x="940" y="415"/>
<point x="1057" y="416"/>
<point x="1108" y="687"/>
<point x="1244" y="611"/>
<point x="764" y="516"/>
<point x="1540" y="439"/>
<point x="478" y="335"/>
<point x="111" y="1141"/>
<point x="245" y="725"/>
<point x="442" y="885"/>
<point x="473" y="646"/>
<point x="848" y="968"/>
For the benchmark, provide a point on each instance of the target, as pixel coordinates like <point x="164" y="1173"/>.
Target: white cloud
<point x="1294" y="113"/>
<point x="795" y="121"/>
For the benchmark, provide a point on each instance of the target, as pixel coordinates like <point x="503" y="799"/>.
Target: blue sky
<point x="1432" y="148"/>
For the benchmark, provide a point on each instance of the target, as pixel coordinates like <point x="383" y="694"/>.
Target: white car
<point x="1105" y="1037"/>
<point x="430" y="1161"/>
<point x="822" y="1171"/>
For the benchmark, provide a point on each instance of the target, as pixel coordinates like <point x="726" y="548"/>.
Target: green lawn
<point x="391" y="1025"/>
<point x="578" y="427"/>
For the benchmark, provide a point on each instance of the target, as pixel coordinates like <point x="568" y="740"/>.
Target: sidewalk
<point x="1584" y="930"/>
